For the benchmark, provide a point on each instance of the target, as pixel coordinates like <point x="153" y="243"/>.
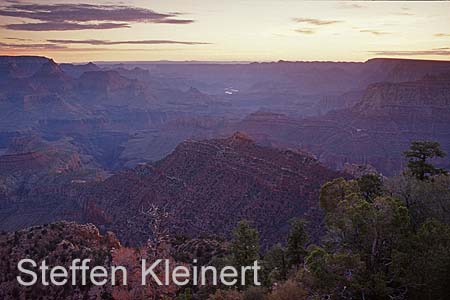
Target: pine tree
<point x="418" y="155"/>
<point x="276" y="264"/>
<point x="245" y="246"/>
<point x="296" y="244"/>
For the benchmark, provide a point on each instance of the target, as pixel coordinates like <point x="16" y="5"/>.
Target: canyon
<point x="211" y="143"/>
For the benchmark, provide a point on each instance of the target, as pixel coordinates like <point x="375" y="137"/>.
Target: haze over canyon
<point x="97" y="142"/>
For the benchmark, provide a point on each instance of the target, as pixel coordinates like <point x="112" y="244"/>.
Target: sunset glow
<point x="251" y="30"/>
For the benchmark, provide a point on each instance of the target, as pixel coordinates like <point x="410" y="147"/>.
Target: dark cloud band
<point x="84" y="16"/>
<point x="374" y="32"/>
<point x="306" y="31"/>
<point x="317" y="22"/>
<point x="64" y="26"/>
<point x="139" y="42"/>
<point x="32" y="46"/>
<point x="440" y="52"/>
<point x="442" y="35"/>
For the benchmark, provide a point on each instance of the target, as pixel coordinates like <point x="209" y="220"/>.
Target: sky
<point x="232" y="30"/>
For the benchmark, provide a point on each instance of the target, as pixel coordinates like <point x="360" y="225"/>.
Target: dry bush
<point x="255" y="293"/>
<point x="226" y="295"/>
<point x="289" y="290"/>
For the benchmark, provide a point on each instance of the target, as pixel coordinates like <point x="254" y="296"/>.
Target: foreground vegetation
<point x="385" y="238"/>
<point x="381" y="238"/>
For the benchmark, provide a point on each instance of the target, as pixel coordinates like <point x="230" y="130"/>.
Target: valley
<point x="98" y="143"/>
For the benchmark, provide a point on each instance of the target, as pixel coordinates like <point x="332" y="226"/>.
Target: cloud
<point x="316" y="21"/>
<point x="17" y="39"/>
<point x="306" y="31"/>
<point x="346" y="5"/>
<point x="374" y="32"/>
<point x="63" y="26"/>
<point x="442" y="51"/>
<point x="139" y="42"/>
<point x="43" y="46"/>
<point x="27" y="48"/>
<point x="84" y="16"/>
<point x="442" y="35"/>
<point x="65" y="45"/>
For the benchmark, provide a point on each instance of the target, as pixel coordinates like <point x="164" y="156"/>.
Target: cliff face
<point x="407" y="111"/>
<point x="270" y="128"/>
<point x="401" y="70"/>
<point x="32" y="178"/>
<point x="208" y="186"/>
<point x="142" y="104"/>
<point x="76" y="71"/>
<point x="108" y="117"/>
<point x="28" y="155"/>
<point x="375" y="131"/>
<point x="58" y="244"/>
<point x="20" y="66"/>
<point x="431" y="92"/>
<point x="102" y="82"/>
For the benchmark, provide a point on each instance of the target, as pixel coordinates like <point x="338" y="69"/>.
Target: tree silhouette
<point x="418" y="155"/>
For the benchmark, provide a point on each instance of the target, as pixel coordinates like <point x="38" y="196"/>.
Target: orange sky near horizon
<point x="246" y="30"/>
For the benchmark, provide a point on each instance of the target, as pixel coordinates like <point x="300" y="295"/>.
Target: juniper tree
<point x="370" y="186"/>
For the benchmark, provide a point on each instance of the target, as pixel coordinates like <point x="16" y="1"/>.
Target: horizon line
<point x="163" y="61"/>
